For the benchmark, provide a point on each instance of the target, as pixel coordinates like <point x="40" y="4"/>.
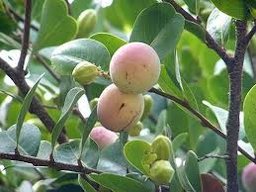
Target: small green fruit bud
<point x="148" y="104"/>
<point x="162" y="147"/>
<point x="135" y="131"/>
<point x="161" y="172"/>
<point x="85" y="73"/>
<point x="93" y="103"/>
<point x="86" y="22"/>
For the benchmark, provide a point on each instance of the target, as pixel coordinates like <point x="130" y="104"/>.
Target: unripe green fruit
<point x="85" y="73"/>
<point x="135" y="68"/>
<point x="249" y="177"/>
<point x="135" y="130"/>
<point x="93" y="102"/>
<point x="39" y="186"/>
<point x="103" y="137"/>
<point x="148" y="104"/>
<point x="118" y="111"/>
<point x="86" y="22"/>
<point x="161" y="172"/>
<point x="162" y="146"/>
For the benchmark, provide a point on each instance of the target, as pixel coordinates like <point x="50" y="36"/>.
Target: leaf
<point x="111" y="42"/>
<point x="70" y="101"/>
<point x="179" y="140"/>
<point x="167" y="85"/>
<point x="222" y="117"/>
<point x="135" y="151"/>
<point x="119" y="183"/>
<point x="127" y="12"/>
<point x="68" y="153"/>
<point x="87" y="129"/>
<point x="189" y="95"/>
<point x="85" y="185"/>
<point x="57" y="26"/>
<point x="211" y="183"/>
<point x="29" y="141"/>
<point x="183" y="179"/>
<point x="25" y="107"/>
<point x="193" y="5"/>
<point x="218" y="25"/>
<point x="68" y="55"/>
<point x="79" y="6"/>
<point x="154" y="26"/>
<point x="233" y="8"/>
<point x="195" y="29"/>
<point x="249" y="109"/>
<point x="112" y="159"/>
<point x="44" y="150"/>
<point x="192" y="170"/>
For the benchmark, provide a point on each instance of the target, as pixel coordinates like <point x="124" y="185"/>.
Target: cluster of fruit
<point x="134" y="69"/>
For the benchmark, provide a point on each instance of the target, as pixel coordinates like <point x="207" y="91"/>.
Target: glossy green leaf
<point x="218" y="26"/>
<point x="25" y="107"/>
<point x="79" y="6"/>
<point x="69" y="153"/>
<point x="88" y="127"/>
<point x="56" y="27"/>
<point x="154" y="26"/>
<point x="189" y="95"/>
<point x="222" y="117"/>
<point x="111" y="42"/>
<point x="167" y="84"/>
<point x="249" y="109"/>
<point x="233" y="8"/>
<point x="179" y="140"/>
<point x="127" y="12"/>
<point x="112" y="159"/>
<point x="195" y="29"/>
<point x="192" y="171"/>
<point x="85" y="185"/>
<point x="183" y="179"/>
<point x="193" y="5"/>
<point x="70" y="101"/>
<point x="135" y="151"/>
<point x="67" y="56"/>
<point x="119" y="183"/>
<point x="29" y="140"/>
<point x="44" y="150"/>
<point x="37" y="6"/>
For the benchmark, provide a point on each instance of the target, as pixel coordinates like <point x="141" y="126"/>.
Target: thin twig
<point x="213" y="156"/>
<point x="250" y="34"/>
<point x="204" y="121"/>
<point x="46" y="66"/>
<point x="43" y="162"/>
<point x="25" y="39"/>
<point x="210" y="42"/>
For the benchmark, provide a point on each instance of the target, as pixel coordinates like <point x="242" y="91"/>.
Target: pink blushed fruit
<point x="249" y="177"/>
<point x="118" y="111"/>
<point x="103" y="137"/>
<point x="135" y="68"/>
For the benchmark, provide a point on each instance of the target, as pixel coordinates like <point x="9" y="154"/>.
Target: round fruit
<point x="103" y="137"/>
<point x="161" y="172"/>
<point x="135" y="130"/>
<point x="118" y="111"/>
<point x="85" y="73"/>
<point x="86" y="22"/>
<point x="162" y="146"/>
<point x="135" y="68"/>
<point x="148" y="104"/>
<point x="249" y="177"/>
